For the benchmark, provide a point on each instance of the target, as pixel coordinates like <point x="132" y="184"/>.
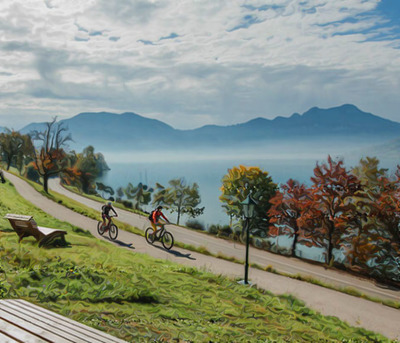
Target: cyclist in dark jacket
<point x="105" y="213"/>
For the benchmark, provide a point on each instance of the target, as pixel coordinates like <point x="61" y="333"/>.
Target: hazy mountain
<point x="340" y="127"/>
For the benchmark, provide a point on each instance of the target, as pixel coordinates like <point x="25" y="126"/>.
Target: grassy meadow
<point x="140" y="299"/>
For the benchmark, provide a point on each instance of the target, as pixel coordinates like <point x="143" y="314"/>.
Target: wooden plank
<point x="17" y="217"/>
<point x="18" y="334"/>
<point x="46" y="230"/>
<point x="64" y="320"/>
<point x="40" y="326"/>
<point x="6" y="339"/>
<point x="61" y="323"/>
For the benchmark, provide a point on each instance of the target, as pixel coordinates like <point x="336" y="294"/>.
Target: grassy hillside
<point x="139" y="298"/>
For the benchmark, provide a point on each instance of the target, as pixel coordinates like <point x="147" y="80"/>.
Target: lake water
<point x="207" y="174"/>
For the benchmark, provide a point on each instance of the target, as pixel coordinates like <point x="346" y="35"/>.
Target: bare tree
<point x="50" y="157"/>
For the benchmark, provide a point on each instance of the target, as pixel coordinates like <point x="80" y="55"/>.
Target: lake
<point x="207" y="173"/>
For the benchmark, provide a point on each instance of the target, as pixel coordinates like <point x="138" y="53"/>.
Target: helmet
<point x="109" y="203"/>
<point x="159" y="208"/>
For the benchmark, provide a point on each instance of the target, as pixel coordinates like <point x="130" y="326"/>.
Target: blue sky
<point x="192" y="63"/>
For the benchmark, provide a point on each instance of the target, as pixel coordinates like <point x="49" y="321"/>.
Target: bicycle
<point x="162" y="235"/>
<point x="112" y="229"/>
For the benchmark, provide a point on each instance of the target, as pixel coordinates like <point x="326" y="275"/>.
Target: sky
<point x="191" y="63"/>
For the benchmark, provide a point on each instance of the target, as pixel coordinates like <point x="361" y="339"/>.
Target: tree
<point x="105" y="189"/>
<point x="362" y="232"/>
<point x="287" y="207"/>
<point x="242" y="181"/>
<point x="50" y="158"/>
<point x="89" y="169"/>
<point x="141" y="194"/>
<point x="179" y="197"/>
<point x="332" y="194"/>
<point x="15" y="148"/>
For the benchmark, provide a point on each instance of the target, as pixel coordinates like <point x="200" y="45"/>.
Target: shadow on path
<point x="175" y="252"/>
<point x="122" y="244"/>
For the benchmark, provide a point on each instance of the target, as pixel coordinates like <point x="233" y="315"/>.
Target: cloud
<point x="194" y="63"/>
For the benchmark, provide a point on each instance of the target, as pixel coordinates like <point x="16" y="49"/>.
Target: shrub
<point x="127" y="204"/>
<point x="32" y="174"/>
<point x="195" y="224"/>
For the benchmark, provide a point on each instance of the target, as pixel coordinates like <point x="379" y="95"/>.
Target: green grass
<point x="87" y="211"/>
<point x="139" y="298"/>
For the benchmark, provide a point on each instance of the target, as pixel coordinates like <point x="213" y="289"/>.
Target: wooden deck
<point x="21" y="321"/>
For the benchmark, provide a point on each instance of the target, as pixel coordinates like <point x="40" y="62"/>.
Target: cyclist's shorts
<point x="105" y="216"/>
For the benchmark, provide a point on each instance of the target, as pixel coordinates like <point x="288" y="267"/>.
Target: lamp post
<point x="248" y="212"/>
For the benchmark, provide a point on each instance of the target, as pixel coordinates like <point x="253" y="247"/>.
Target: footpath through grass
<point x="82" y="209"/>
<point x="139" y="298"/>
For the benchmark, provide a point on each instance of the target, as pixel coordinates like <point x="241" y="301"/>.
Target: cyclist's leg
<point x="109" y="222"/>
<point x="103" y="216"/>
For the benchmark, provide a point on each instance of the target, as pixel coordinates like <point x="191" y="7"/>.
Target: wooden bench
<point x="22" y="321"/>
<point x="26" y="226"/>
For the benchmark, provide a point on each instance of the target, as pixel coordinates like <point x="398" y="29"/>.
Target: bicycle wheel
<point x="100" y="228"/>
<point x="149" y="234"/>
<point x="113" y="232"/>
<point x="167" y="240"/>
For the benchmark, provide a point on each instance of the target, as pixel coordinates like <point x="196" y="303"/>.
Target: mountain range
<point x="342" y="127"/>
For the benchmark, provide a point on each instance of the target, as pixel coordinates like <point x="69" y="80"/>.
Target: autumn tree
<point x="332" y="194"/>
<point x="286" y="207"/>
<point x="362" y="234"/>
<point x="50" y="158"/>
<point x="242" y="181"/>
<point x="87" y="168"/>
<point x="179" y="197"/>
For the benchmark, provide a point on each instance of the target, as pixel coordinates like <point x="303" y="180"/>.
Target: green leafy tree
<point x="15" y="149"/>
<point x="179" y="197"/>
<point x="242" y="181"/>
<point x="140" y="194"/>
<point x="104" y="189"/>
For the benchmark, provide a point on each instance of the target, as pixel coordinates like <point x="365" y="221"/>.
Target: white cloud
<point x="219" y="62"/>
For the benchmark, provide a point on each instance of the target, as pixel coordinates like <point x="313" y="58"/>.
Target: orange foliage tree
<point x="286" y="207"/>
<point x="332" y="195"/>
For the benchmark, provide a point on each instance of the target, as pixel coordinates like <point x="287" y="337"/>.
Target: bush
<point x="127" y="204"/>
<point x="220" y="230"/>
<point x="195" y="224"/>
<point x="32" y="174"/>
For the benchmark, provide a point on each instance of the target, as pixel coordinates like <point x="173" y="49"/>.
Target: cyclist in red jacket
<point x="155" y="219"/>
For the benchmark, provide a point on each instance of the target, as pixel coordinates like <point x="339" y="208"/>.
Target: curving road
<point x="355" y="311"/>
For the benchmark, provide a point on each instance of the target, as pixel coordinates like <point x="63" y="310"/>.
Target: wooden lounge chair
<point x="26" y="226"/>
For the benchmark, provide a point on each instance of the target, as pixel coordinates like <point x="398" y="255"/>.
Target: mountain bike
<point x="112" y="229"/>
<point x="162" y="235"/>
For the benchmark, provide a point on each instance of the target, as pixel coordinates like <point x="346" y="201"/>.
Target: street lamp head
<point x="248" y="206"/>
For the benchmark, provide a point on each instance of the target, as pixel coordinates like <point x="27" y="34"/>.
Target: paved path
<point x="263" y="258"/>
<point x="355" y="311"/>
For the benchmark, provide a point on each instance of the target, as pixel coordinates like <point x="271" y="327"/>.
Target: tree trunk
<point x="45" y="183"/>
<point x="330" y="245"/>
<point x="296" y="236"/>
<point x="179" y="215"/>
